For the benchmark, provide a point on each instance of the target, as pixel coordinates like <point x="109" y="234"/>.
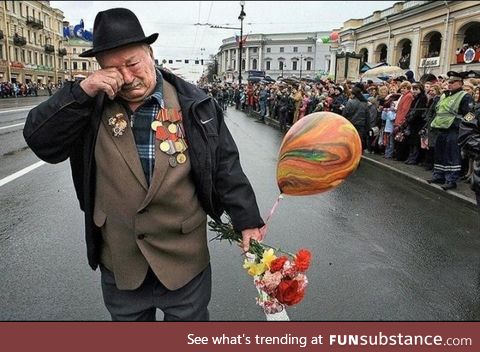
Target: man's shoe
<point x="436" y="180"/>
<point x="449" y="185"/>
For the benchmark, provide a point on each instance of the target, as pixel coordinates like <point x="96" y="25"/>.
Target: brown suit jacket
<point x="162" y="226"/>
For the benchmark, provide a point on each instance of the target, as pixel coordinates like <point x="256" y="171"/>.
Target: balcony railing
<point x="19" y="40"/>
<point x="62" y="52"/>
<point x="32" y="21"/>
<point x="49" y="48"/>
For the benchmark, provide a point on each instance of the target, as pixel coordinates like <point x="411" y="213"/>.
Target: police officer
<point x="453" y="105"/>
<point x="469" y="140"/>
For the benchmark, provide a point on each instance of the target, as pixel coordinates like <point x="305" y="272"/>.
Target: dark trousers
<point x="447" y="158"/>
<point x="283" y="119"/>
<point x="188" y="303"/>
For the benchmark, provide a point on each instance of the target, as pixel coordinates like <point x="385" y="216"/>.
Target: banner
<point x="242" y="336"/>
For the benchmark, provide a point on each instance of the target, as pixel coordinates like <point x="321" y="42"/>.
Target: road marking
<point x="20" y="173"/>
<point x="10" y="126"/>
<point x="26" y="108"/>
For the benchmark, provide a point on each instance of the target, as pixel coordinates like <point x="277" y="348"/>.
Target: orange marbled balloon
<point x="317" y="154"/>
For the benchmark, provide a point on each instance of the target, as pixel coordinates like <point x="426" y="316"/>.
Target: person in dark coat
<point x="145" y="198"/>
<point x="469" y="140"/>
<point x="356" y="111"/>
<point x="415" y="122"/>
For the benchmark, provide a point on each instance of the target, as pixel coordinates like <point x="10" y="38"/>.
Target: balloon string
<point x="274" y="208"/>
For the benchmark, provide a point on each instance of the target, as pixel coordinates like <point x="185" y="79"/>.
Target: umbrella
<point x="383" y="71"/>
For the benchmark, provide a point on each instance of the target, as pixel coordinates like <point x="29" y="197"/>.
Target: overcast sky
<point x="180" y="38"/>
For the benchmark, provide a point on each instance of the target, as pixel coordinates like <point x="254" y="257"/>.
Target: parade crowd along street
<point x="394" y="117"/>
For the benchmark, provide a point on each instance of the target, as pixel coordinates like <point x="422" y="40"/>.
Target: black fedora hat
<point x="114" y="28"/>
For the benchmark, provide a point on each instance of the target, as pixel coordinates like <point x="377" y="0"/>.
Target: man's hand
<point x="257" y="234"/>
<point x="108" y="80"/>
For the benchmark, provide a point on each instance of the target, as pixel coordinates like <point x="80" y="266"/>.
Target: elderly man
<point x="151" y="156"/>
<point x="453" y="105"/>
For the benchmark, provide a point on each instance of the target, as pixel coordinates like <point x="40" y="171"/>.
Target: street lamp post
<point x="240" y="45"/>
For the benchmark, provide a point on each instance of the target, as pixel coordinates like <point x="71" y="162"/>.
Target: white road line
<point x="10" y="126"/>
<point x="20" y="173"/>
<point x="26" y="108"/>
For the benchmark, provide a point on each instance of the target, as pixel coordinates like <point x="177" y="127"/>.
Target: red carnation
<point x="289" y="292"/>
<point x="302" y="260"/>
<point x="277" y="264"/>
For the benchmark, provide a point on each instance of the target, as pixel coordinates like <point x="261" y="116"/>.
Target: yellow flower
<point x="268" y="257"/>
<point x="254" y="269"/>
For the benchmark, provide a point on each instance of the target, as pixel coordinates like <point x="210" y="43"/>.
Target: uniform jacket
<point x="469" y="140"/>
<point x="66" y="127"/>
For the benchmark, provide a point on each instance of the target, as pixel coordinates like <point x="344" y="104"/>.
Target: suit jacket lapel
<point x="159" y="172"/>
<point x="126" y="144"/>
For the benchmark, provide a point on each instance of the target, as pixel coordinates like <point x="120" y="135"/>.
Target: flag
<point x="66" y="32"/>
<point x="88" y="36"/>
<point x="244" y="39"/>
<point x="78" y="29"/>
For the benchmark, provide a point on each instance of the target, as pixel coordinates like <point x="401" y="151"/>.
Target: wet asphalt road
<point x="383" y="248"/>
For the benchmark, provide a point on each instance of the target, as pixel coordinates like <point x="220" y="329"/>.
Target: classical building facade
<point x="74" y="66"/>
<point x="423" y="36"/>
<point x="280" y="54"/>
<point x="32" y="47"/>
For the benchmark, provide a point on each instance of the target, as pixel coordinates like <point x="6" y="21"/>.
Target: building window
<point x="186" y="61"/>
<point x="21" y="9"/>
<point x="170" y="61"/>
<point x="1" y="51"/>
<point x="35" y="59"/>
<point x="42" y="60"/>
<point x="254" y="50"/>
<point x="282" y="49"/>
<point x="16" y="54"/>
<point x="269" y="50"/>
<point x="295" y="49"/>
<point x="84" y="66"/>
<point x="75" y="65"/>
<point x="309" y="65"/>
<point x="309" y="49"/>
<point x="197" y="62"/>
<point x="65" y="65"/>
<point x="280" y="65"/>
<point x="34" y="38"/>
<point x="243" y="64"/>
<point x="29" y="37"/>
<point x="23" y="55"/>
<point x="294" y="65"/>
<point x="14" y="7"/>
<point x="267" y="63"/>
<point x="254" y="64"/>
<point x="74" y="50"/>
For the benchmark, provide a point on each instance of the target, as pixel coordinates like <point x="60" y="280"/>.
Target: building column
<point x="414" y="53"/>
<point x="260" y="57"/>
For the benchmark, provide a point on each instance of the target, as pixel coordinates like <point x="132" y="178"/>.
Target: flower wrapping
<point x="279" y="276"/>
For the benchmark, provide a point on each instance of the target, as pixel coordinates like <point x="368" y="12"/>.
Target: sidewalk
<point x="415" y="173"/>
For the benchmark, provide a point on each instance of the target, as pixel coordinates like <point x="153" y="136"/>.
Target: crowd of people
<point x="393" y="118"/>
<point x="26" y="89"/>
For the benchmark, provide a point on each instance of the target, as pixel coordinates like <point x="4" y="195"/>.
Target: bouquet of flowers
<point x="279" y="276"/>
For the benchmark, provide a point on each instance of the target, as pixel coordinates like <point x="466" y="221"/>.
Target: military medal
<point x="181" y="158"/>
<point x="172" y="161"/>
<point x="469" y="117"/>
<point x="164" y="147"/>
<point x="171" y="136"/>
<point x="119" y="124"/>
